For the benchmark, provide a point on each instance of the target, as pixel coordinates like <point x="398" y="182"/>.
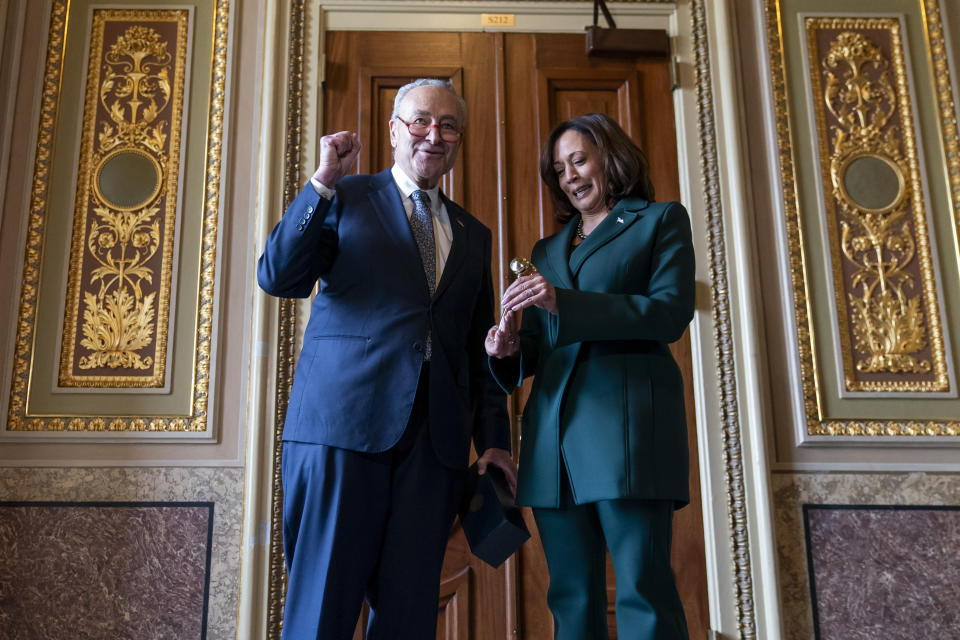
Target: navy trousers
<point x="368" y="526"/>
<point x="638" y="533"/>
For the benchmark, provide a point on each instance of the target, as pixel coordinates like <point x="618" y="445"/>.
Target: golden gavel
<point x="520" y="267"/>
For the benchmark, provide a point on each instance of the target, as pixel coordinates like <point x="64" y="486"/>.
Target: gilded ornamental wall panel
<point x="870" y="174"/>
<point x="889" y="323"/>
<point x="122" y="253"/>
<point x="116" y="314"/>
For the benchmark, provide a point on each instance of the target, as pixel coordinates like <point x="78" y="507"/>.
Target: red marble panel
<point x="883" y="571"/>
<point x="104" y="570"/>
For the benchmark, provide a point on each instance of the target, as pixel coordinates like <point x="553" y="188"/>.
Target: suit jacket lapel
<point x="385" y="198"/>
<point x="458" y="246"/>
<point x="623" y="215"/>
<point x="557" y="260"/>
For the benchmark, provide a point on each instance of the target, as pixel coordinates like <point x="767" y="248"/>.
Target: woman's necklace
<point x="580" y="233"/>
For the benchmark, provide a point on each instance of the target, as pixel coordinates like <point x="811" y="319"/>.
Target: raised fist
<point x="338" y="154"/>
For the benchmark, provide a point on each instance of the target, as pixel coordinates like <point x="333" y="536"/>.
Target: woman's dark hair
<point x="624" y="164"/>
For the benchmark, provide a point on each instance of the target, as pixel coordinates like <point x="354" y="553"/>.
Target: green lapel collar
<point x="556" y="249"/>
<point x="624" y="214"/>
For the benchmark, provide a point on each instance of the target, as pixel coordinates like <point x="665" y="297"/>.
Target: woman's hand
<point x="502" y="340"/>
<point x="527" y="291"/>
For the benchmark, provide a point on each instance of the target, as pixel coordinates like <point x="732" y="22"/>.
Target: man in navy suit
<point x="392" y="382"/>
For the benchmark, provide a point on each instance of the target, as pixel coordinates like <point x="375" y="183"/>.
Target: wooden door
<point x="517" y="86"/>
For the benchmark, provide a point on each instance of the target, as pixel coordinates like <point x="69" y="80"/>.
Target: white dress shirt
<point x="442" y="231"/>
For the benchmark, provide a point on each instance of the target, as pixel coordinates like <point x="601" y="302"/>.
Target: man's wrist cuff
<point x="324" y="191"/>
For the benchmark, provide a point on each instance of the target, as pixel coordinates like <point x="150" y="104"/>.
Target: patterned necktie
<point x="421" y="224"/>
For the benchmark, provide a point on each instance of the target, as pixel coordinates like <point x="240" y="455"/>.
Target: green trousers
<point x="638" y="533"/>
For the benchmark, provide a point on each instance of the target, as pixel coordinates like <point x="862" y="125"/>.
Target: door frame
<point x="725" y="333"/>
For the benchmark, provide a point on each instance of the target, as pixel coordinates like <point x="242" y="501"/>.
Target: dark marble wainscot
<point x="884" y="571"/>
<point x="882" y="559"/>
<point x="104" y="570"/>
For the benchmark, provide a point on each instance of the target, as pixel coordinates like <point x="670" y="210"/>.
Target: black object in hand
<point x="491" y="520"/>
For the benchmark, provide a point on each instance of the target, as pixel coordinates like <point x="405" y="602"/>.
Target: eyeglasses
<point x="419" y="128"/>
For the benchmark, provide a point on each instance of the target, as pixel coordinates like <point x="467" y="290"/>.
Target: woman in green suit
<point x="603" y="459"/>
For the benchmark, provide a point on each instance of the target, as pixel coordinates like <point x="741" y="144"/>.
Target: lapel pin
<point x="459" y="222"/>
<point x="619" y="220"/>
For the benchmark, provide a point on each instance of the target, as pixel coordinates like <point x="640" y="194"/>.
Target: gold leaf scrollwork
<point x="886" y="313"/>
<point x="135" y="89"/>
<point x="819" y="421"/>
<point x="860" y="101"/>
<point x="174" y="25"/>
<point x="118" y="320"/>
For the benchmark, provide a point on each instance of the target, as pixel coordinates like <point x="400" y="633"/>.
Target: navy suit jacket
<point x="357" y="374"/>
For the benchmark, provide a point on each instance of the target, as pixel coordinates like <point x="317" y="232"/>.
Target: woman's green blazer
<point x="607" y="396"/>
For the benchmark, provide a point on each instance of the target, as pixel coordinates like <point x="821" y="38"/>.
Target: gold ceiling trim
<point x="196" y="420"/>
<point x="816" y="423"/>
<point x="938" y="57"/>
<point x="287" y="329"/>
<point x="724" y="349"/>
<point x="36" y="221"/>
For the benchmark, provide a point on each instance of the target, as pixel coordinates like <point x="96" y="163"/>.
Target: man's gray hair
<point x="430" y="82"/>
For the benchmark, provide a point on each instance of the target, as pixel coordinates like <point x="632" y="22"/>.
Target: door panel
<point x="539" y="80"/>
